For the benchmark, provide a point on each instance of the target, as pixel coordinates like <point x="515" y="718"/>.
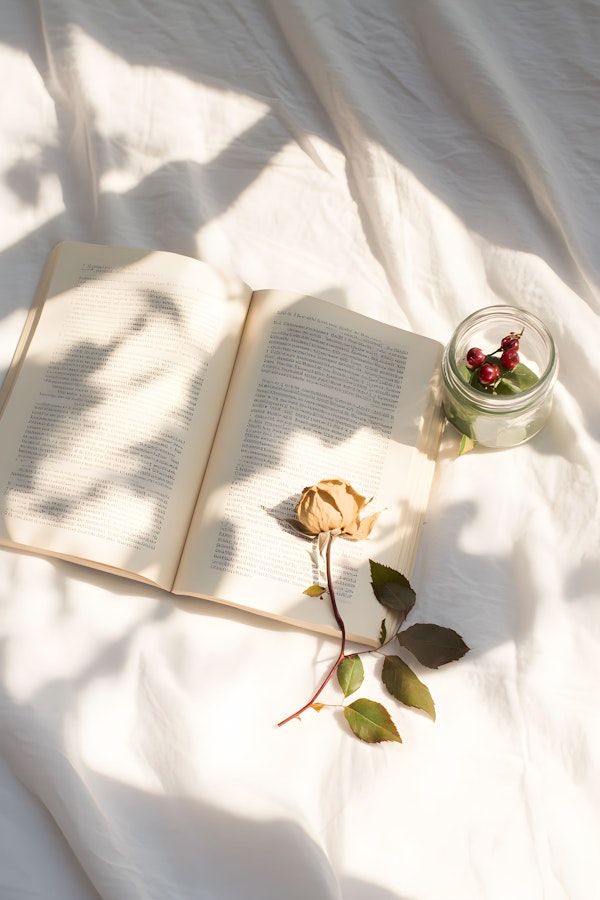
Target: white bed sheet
<point x="414" y="161"/>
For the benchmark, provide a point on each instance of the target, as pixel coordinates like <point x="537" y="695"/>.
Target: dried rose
<point x="333" y="506"/>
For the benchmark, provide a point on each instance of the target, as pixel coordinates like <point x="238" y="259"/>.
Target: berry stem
<point x="517" y="336"/>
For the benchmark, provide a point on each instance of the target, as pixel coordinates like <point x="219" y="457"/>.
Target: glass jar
<point x="499" y="420"/>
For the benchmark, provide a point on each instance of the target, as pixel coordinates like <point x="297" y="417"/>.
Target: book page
<point x="110" y="419"/>
<point x="318" y="392"/>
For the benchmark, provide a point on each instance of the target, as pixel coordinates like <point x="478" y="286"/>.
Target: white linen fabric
<point x="413" y="161"/>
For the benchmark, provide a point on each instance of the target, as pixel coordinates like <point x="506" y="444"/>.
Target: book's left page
<point x="111" y="405"/>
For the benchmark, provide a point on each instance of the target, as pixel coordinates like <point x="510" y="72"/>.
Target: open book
<point x="160" y="420"/>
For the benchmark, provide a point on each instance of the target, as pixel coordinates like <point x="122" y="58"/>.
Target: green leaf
<point x="403" y="684"/>
<point x="433" y="645"/>
<point x="512" y="382"/>
<point x="350" y="674"/>
<point x="315" y="590"/>
<point x="392" y="589"/>
<point x="382" y="632"/>
<point x="519" y="379"/>
<point x="371" y="722"/>
<point x="466" y="444"/>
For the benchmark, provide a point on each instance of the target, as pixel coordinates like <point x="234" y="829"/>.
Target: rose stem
<point x="342" y="627"/>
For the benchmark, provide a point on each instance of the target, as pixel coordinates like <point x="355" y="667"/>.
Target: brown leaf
<point x="433" y="645"/>
<point x="392" y="589"/>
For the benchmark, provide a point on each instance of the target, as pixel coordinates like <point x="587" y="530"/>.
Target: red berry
<point x="510" y="359"/>
<point x="510" y="342"/>
<point x="475" y="357"/>
<point x="489" y="373"/>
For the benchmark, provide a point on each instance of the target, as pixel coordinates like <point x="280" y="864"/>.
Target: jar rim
<point x="500" y="403"/>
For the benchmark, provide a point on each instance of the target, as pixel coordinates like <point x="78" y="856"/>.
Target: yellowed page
<point x="106" y="431"/>
<point x="317" y="392"/>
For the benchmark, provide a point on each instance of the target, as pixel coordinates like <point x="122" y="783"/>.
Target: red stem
<point x="342" y="627"/>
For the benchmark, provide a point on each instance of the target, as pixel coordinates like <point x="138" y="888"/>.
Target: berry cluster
<point x="490" y="368"/>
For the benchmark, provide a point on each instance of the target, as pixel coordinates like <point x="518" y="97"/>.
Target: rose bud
<point x="334" y="506"/>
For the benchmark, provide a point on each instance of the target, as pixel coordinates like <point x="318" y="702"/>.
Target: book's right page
<point x="318" y="392"/>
